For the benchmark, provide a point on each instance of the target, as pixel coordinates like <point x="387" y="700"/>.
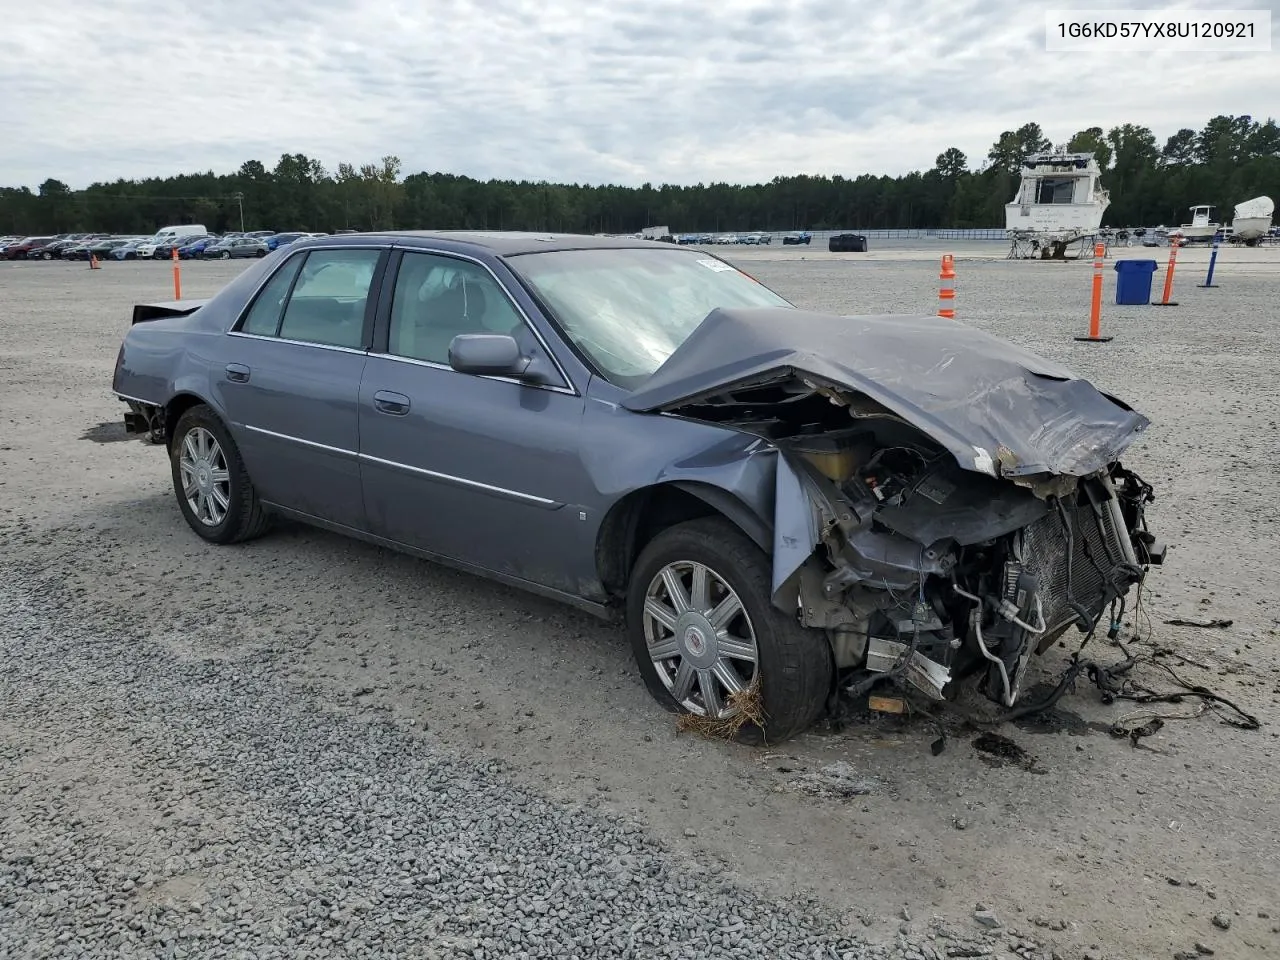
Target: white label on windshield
<point x="716" y="265"/>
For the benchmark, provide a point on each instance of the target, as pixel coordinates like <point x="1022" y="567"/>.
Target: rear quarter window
<point x="263" y="318"/>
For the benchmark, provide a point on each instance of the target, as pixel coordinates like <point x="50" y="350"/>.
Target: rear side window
<point x="327" y="304"/>
<point x="263" y="318"/>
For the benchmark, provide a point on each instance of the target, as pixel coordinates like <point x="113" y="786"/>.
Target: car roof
<point x="499" y="242"/>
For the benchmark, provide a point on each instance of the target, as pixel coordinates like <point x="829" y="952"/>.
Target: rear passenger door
<point x="290" y="381"/>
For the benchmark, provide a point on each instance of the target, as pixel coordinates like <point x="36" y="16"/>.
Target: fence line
<point x="929" y="233"/>
<point x="902" y="233"/>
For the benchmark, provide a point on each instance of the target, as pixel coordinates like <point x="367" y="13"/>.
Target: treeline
<point x="1231" y="159"/>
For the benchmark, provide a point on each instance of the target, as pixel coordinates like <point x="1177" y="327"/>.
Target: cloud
<point x="625" y="91"/>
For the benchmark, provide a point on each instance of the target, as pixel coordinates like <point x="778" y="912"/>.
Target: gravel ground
<point x="309" y="746"/>
<point x="161" y="805"/>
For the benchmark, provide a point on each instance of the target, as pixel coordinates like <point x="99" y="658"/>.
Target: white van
<point x="181" y="231"/>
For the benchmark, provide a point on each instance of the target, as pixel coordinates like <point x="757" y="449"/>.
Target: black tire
<point x="46" y="256"/>
<point x="245" y="518"/>
<point x="225" y="255"/>
<point x="795" y="663"/>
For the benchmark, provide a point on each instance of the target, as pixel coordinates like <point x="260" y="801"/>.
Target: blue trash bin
<point x="1133" y="281"/>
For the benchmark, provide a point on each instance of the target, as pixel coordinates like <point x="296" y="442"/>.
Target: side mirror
<point x="488" y="354"/>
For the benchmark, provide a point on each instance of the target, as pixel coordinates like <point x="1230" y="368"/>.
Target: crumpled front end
<point x="946" y="502"/>
<point x="924" y="572"/>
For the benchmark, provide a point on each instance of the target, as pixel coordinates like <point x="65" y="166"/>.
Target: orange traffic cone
<point x="93" y="262"/>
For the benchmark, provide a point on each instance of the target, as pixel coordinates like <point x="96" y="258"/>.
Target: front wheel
<point x="225" y="255"/>
<point x="214" y="492"/>
<point x="709" y="643"/>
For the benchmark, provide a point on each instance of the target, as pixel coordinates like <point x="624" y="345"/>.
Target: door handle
<point x="237" y="372"/>
<point x="396" y="404"/>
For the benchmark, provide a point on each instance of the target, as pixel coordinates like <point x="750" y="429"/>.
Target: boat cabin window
<point x="1055" y="190"/>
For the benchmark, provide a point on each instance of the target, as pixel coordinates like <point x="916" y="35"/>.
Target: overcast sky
<point x="623" y="91"/>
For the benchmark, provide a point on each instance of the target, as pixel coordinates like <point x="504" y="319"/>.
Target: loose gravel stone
<point x="263" y="824"/>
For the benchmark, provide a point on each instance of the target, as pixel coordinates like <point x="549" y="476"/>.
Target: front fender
<point x="734" y="509"/>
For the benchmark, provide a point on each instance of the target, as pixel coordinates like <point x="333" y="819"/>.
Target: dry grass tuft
<point x="750" y="709"/>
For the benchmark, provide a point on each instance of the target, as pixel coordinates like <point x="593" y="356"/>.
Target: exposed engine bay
<point x="924" y="571"/>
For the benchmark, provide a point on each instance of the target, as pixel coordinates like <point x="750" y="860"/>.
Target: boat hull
<point x="1251" y="228"/>
<point x="1191" y="234"/>
<point x="1054" y="221"/>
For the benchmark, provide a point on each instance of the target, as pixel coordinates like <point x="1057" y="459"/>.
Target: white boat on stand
<point x="1251" y="220"/>
<point x="1060" y="202"/>
<point x="1202" y="227"/>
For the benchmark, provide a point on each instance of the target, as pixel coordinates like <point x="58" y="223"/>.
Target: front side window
<point x="437" y="298"/>
<point x="1056" y="190"/>
<point x="327" y="304"/>
<point x="629" y="309"/>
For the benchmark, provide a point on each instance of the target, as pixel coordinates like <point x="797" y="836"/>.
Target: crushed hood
<point x="997" y="408"/>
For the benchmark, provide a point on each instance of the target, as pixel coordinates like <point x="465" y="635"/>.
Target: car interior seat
<point x="426" y="328"/>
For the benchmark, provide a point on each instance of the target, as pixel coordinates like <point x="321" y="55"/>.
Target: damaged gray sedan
<point x="782" y="504"/>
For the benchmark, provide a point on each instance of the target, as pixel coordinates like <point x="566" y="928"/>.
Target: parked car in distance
<point x="18" y="249"/>
<point x="164" y="249"/>
<point x="236" y="247"/>
<point x="50" y="250"/>
<point x="780" y="504"/>
<point x="182" y="231"/>
<point x="129" y="250"/>
<point x="196" y="248"/>
<point x="284" y="239"/>
<point x="847" y="243"/>
<point x="97" y="248"/>
<point x="796" y="237"/>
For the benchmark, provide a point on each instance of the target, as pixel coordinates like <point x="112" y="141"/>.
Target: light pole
<point x="239" y="199"/>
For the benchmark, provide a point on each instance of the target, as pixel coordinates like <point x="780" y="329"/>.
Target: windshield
<point x="629" y="309"/>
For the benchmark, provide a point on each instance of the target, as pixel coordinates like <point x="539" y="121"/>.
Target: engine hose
<point x="975" y="620"/>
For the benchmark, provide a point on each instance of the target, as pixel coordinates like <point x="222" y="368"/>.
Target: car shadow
<point x="140" y="519"/>
<point x="112" y="431"/>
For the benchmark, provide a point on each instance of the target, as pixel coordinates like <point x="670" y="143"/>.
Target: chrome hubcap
<point x="700" y="638"/>
<point x="206" y="482"/>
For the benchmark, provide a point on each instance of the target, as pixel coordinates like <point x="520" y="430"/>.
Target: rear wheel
<point x="710" y="644"/>
<point x="214" y="492"/>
